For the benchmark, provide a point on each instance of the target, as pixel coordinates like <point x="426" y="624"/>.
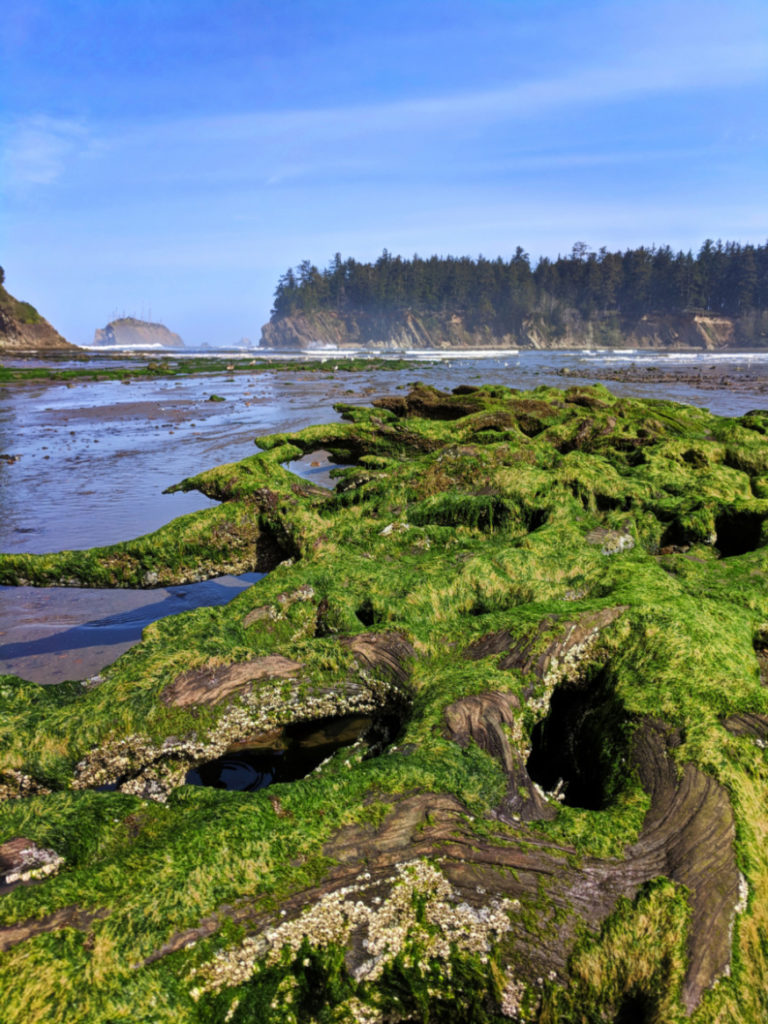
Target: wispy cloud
<point x="39" y="149"/>
<point x="281" y="146"/>
<point x="643" y="74"/>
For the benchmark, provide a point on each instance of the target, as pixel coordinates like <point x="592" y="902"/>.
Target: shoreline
<point x="711" y="378"/>
<point x="160" y="430"/>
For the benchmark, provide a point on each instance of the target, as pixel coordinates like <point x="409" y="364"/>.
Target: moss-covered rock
<point x="559" y="597"/>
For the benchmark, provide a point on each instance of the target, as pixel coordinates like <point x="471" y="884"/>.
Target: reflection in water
<point x="293" y="753"/>
<point x="57" y="633"/>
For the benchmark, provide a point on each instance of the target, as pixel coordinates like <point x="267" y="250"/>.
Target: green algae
<point x="463" y="516"/>
<point x="185" y="366"/>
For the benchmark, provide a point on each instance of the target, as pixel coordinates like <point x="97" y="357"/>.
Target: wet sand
<point x="91" y="460"/>
<point x="735" y="380"/>
<point x="57" y="633"/>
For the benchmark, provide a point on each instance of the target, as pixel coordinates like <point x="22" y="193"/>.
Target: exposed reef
<point x="128" y="332"/>
<point x="552" y="607"/>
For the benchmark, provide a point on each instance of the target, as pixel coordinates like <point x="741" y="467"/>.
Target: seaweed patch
<point x="546" y="614"/>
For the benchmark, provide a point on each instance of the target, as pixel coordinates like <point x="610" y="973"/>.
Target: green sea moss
<point x="519" y="517"/>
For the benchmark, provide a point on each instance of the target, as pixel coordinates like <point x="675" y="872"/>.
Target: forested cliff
<point x="645" y="297"/>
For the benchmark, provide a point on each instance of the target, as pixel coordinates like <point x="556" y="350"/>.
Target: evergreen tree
<point x="723" y="278"/>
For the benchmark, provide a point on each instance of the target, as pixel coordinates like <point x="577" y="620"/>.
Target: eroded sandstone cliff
<point x="409" y="330"/>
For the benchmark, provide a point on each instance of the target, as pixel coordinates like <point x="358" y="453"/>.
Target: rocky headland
<point x="551" y="609"/>
<point x="128" y="332"/>
<point x="413" y="330"/>
<point x="24" y="330"/>
<point x="647" y="297"/>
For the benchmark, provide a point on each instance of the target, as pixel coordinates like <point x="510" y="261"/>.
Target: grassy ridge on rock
<point x="23" y="329"/>
<point x="562" y="598"/>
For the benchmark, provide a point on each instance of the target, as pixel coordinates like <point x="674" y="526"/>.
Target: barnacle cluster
<point x="137" y="765"/>
<point x="420" y="918"/>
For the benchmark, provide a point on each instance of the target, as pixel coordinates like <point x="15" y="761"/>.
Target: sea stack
<point x="128" y="332"/>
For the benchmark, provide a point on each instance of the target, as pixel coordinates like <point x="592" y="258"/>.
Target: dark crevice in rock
<point x="580" y="747"/>
<point x="295" y="752"/>
<point x="298" y="749"/>
<point x="366" y="613"/>
<point x="676" y="536"/>
<point x="738" y="532"/>
<point x="376" y="687"/>
<point x="637" y="1008"/>
<point x="325" y="620"/>
<point x="695" y="458"/>
<point x="610" y="503"/>
<point x="535" y="518"/>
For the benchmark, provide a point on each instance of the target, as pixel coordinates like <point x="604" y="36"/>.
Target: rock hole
<point x="580" y="747"/>
<point x="611" y="503"/>
<point x="296" y="750"/>
<point x="636" y="1008"/>
<point x="292" y="754"/>
<point x="676" y="536"/>
<point x="738" y="532"/>
<point x="367" y="614"/>
<point x="536" y="518"/>
<point x="695" y="458"/>
<point x="317" y="467"/>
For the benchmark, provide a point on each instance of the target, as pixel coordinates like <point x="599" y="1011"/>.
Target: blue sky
<point x="173" y="157"/>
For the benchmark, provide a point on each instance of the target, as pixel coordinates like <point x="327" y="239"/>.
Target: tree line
<point x="724" y="278"/>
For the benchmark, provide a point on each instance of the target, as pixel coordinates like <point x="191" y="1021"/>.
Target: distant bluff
<point x="647" y="297"/>
<point x="128" y="332"/>
<point x="446" y="330"/>
<point x="22" y="329"/>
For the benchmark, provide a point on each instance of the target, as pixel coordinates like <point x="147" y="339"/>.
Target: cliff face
<point x="379" y="330"/>
<point x="22" y="329"/>
<point x="450" y="330"/>
<point x="127" y="332"/>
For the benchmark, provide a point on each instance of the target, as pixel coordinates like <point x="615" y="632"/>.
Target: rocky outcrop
<point x="379" y="330"/>
<point x="22" y="329"/>
<point x="409" y="330"/>
<point x="128" y="332"/>
<point x="551" y="607"/>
